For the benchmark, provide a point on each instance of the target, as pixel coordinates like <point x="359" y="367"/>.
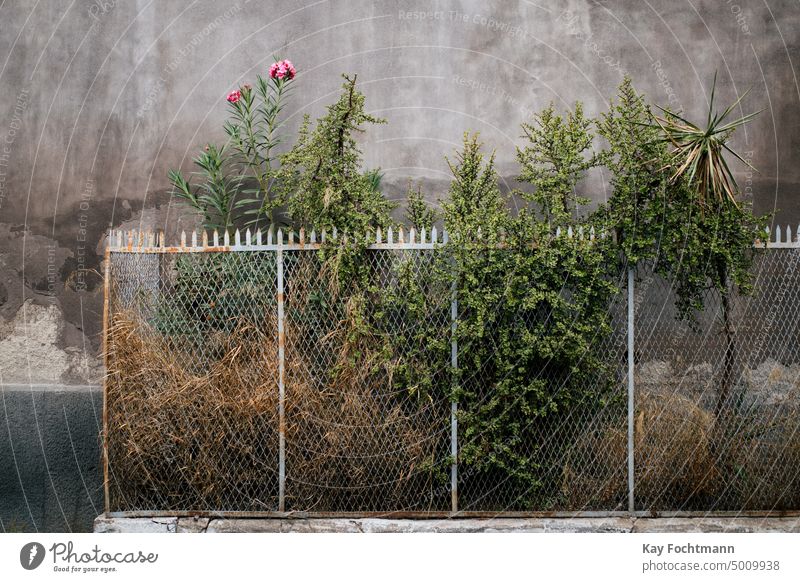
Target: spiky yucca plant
<point x="699" y="152"/>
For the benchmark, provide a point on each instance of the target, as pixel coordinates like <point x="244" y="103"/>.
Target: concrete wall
<point x="98" y="98"/>
<point x="50" y="471"/>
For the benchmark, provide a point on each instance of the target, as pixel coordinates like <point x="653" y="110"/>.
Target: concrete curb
<point x="105" y="524"/>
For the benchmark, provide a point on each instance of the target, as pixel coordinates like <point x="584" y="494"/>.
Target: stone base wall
<point x="519" y="525"/>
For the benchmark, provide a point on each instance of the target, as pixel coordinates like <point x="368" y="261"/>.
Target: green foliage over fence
<point x="533" y="308"/>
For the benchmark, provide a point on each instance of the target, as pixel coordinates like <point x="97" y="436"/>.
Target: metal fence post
<point x="106" y="315"/>
<point x="281" y="379"/>
<point x="453" y="404"/>
<point x="631" y="314"/>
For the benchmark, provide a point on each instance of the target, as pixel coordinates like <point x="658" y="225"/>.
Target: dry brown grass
<point x="676" y="458"/>
<point x="192" y="439"/>
<point x="356" y="442"/>
<point x="184" y="440"/>
<point x="686" y="459"/>
<point x="594" y="475"/>
<point x="766" y="461"/>
<point x="674" y="462"/>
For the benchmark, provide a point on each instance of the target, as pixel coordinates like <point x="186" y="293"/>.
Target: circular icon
<point x="31" y="555"/>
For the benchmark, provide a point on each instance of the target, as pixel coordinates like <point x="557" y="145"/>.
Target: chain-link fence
<point x="717" y="398"/>
<point x="240" y="379"/>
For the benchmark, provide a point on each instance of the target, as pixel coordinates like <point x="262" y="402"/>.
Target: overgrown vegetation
<point x="534" y="312"/>
<point x="323" y="179"/>
<point x="419" y="213"/>
<point x="556" y="156"/>
<point x="675" y="204"/>
<point x="535" y="288"/>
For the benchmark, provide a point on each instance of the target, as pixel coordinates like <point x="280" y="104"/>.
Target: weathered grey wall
<point x="98" y="98"/>
<point x="50" y="477"/>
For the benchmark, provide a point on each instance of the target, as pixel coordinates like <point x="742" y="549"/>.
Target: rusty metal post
<point x="106" y="299"/>
<point x="281" y="380"/>
<point x="631" y="402"/>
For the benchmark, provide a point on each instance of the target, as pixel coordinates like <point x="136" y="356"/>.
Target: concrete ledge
<point x="136" y="525"/>
<point x="105" y="524"/>
<point x="717" y="525"/>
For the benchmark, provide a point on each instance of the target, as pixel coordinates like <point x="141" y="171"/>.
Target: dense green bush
<point x="674" y="203"/>
<point x="533" y="310"/>
<point x="661" y="216"/>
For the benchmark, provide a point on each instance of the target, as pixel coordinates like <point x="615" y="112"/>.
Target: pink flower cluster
<point x="282" y="70"/>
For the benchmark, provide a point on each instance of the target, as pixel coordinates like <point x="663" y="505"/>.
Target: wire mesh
<point x="194" y="407"/>
<point x="575" y="454"/>
<point x="717" y="398"/>
<point x="364" y="431"/>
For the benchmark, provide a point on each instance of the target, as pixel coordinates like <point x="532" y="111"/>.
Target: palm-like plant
<point x="699" y="152"/>
<point x="698" y="158"/>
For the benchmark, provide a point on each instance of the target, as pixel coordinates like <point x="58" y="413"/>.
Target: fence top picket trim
<point x="272" y="239"/>
<point x="148" y="241"/>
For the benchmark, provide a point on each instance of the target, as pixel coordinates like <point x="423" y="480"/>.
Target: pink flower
<point x="234" y="96"/>
<point x="282" y="70"/>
